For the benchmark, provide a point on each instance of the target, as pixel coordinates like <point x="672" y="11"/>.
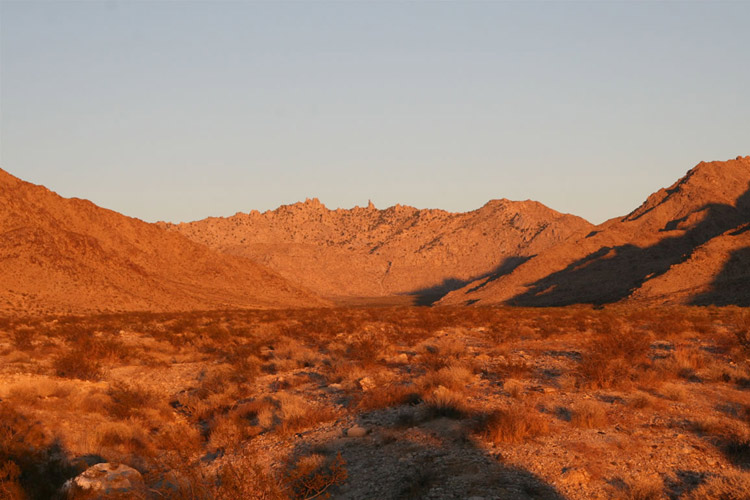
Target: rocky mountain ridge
<point x="400" y="250"/>
<point x="69" y="255"/>
<point x="686" y="244"/>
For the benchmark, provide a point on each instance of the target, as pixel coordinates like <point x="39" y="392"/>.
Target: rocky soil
<point x="385" y="403"/>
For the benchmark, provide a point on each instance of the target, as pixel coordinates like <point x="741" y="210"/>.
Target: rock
<point x="402" y="358"/>
<point x="104" y="479"/>
<point x="574" y="476"/>
<point x="356" y="431"/>
<point x="367" y="384"/>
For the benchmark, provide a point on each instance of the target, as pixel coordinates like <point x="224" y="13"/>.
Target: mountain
<point x="401" y="250"/>
<point x="69" y="255"/>
<point x="688" y="244"/>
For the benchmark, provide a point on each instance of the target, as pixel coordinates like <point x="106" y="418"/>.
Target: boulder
<point x="103" y="480"/>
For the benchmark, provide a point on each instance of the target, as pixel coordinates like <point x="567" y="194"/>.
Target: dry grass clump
<point x="23" y="336"/>
<point x="731" y="485"/>
<point x="129" y="399"/>
<point x="455" y="376"/>
<point x="648" y="487"/>
<point x="614" y="355"/>
<point x="289" y="354"/>
<point x="643" y="400"/>
<point x="367" y="346"/>
<point x="513" y="425"/>
<point x="443" y="402"/>
<point x="439" y="353"/>
<point x="686" y="362"/>
<point x="76" y="363"/>
<point x="297" y="414"/>
<point x="126" y="437"/>
<point x="34" y="390"/>
<point x="242" y="478"/>
<point x="389" y="396"/>
<point x="513" y="387"/>
<point x="589" y="415"/>
<point x="731" y="436"/>
<point x="674" y="392"/>
<point x="314" y="475"/>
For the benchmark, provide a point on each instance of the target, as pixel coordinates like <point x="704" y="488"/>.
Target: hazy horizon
<point x="181" y="111"/>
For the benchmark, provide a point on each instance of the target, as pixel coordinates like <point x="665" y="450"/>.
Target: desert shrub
<point x="674" y="392"/>
<point x="243" y="421"/>
<point x="314" y="475"/>
<point x="439" y="353"/>
<point x="455" y="376"/>
<point x="513" y="387"/>
<point x="247" y="479"/>
<point x="76" y="363"/>
<point x="127" y="399"/>
<point x="589" y="415"/>
<point x="731" y="485"/>
<point x="389" y="396"/>
<point x="128" y="437"/>
<point x="110" y="349"/>
<point x="742" y="330"/>
<point x="642" y="400"/>
<point x="443" y="402"/>
<point x="298" y="354"/>
<point x="647" y="487"/>
<point x="30" y="464"/>
<point x="366" y="346"/>
<point x="23" y="337"/>
<point x="10" y="488"/>
<point x="685" y="362"/>
<point x="612" y="357"/>
<point x="512" y="425"/>
<point x="513" y="368"/>
<point x="297" y="414"/>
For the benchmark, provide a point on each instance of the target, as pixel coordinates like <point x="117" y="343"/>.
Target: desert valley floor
<point x="394" y="402"/>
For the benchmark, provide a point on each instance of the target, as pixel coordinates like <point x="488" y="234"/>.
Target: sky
<point x="182" y="110"/>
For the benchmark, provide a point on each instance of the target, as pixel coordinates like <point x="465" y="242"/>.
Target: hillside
<point x="366" y="252"/>
<point x="685" y="244"/>
<point x="69" y="255"/>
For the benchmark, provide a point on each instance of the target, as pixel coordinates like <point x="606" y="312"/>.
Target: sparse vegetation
<point x="222" y="402"/>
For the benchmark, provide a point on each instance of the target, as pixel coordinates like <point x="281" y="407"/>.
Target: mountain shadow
<point x="612" y="273"/>
<point x="433" y="458"/>
<point x="428" y="296"/>
<point x="732" y="285"/>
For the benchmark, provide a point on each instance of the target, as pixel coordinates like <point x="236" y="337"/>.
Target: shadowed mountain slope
<point x="69" y="255"/>
<point x="366" y="252"/>
<point x="685" y="244"/>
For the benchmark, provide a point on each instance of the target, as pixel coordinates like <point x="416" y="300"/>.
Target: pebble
<point x="356" y="431"/>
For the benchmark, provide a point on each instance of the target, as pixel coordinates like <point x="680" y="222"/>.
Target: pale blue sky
<point x="182" y="110"/>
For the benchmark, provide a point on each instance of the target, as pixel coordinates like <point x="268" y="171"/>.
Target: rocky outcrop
<point x="366" y="252"/>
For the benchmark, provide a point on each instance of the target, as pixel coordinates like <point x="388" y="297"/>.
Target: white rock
<point x="367" y="384"/>
<point x="105" y="479"/>
<point x="356" y="432"/>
